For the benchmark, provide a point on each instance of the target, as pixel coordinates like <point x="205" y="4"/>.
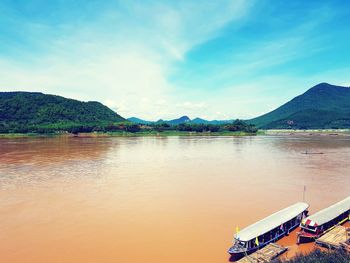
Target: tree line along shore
<point x="127" y="128"/>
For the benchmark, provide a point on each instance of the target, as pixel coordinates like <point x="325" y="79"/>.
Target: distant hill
<point x="139" y="121"/>
<point x="321" y="107"/>
<point x="26" y="111"/>
<point x="183" y="119"/>
<point x="215" y="122"/>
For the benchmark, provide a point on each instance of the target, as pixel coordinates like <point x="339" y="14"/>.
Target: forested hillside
<point x="323" y="106"/>
<point x="38" y="112"/>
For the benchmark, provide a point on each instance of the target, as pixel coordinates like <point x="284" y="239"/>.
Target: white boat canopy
<point x="328" y="213"/>
<point x="273" y="221"/>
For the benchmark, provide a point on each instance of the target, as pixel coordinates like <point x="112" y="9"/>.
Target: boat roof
<point x="267" y="224"/>
<point x="329" y="213"/>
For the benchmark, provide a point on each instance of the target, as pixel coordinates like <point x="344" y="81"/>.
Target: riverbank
<point x="126" y="134"/>
<point x="328" y="132"/>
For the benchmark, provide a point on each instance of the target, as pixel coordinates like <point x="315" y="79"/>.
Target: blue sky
<point x="163" y="59"/>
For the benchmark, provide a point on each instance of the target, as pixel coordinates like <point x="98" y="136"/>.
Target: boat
<point x="318" y="224"/>
<point x="306" y="152"/>
<point x="267" y="230"/>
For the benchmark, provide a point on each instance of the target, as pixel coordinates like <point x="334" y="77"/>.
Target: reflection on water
<point x="27" y="161"/>
<point x="166" y="199"/>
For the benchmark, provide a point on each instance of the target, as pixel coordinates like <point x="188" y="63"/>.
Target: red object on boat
<point x="317" y="224"/>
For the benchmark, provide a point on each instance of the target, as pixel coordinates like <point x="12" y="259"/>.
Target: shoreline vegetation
<point x="236" y="128"/>
<point x="152" y="133"/>
<point x="172" y="132"/>
<point x="318" y="256"/>
<point x="123" y="134"/>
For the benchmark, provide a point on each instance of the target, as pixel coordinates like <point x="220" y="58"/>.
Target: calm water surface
<point x="172" y="199"/>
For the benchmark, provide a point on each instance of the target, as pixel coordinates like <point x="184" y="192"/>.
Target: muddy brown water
<point x="156" y="199"/>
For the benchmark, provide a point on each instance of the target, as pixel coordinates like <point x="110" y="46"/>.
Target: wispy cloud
<point x="121" y="56"/>
<point x="137" y="56"/>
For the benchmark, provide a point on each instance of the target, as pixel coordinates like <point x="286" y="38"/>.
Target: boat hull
<point x="234" y="256"/>
<point x="305" y="238"/>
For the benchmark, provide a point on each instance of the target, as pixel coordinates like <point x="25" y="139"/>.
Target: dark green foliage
<point x="318" y="256"/>
<point x="236" y="126"/>
<point x="22" y="112"/>
<point x="131" y="127"/>
<point x="322" y="107"/>
<point x="239" y="125"/>
<point x="198" y="127"/>
<point x="162" y="126"/>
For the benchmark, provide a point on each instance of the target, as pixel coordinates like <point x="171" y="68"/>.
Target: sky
<point x="152" y="59"/>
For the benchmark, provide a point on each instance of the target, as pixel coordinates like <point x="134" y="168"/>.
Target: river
<point x="155" y="199"/>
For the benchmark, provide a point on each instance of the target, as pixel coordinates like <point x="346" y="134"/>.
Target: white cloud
<point x="123" y="58"/>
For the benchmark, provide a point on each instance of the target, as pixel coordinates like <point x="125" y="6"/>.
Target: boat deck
<point x="334" y="238"/>
<point x="266" y="254"/>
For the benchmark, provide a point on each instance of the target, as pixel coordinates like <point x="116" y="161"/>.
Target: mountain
<point x="323" y="106"/>
<point x="139" y="121"/>
<point x="214" y="122"/>
<point x="183" y="119"/>
<point x="27" y="110"/>
<point x="200" y="121"/>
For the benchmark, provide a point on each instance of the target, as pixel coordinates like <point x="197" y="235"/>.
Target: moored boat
<point x="267" y="230"/>
<point x="319" y="223"/>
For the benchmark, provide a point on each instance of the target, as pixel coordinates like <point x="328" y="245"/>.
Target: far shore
<point x="310" y="132"/>
<point x="124" y="134"/>
<point x="314" y="132"/>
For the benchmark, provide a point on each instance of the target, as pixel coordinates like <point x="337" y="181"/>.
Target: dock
<point x="266" y="254"/>
<point x="346" y="245"/>
<point x="334" y="238"/>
